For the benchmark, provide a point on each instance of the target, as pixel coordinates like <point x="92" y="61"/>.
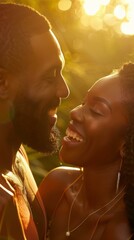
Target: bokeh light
<point x="105" y="2"/>
<point x="119" y="11"/>
<point x="127" y="28"/>
<point x="64" y="5"/>
<point x="103" y="14"/>
<point x="91" y="7"/>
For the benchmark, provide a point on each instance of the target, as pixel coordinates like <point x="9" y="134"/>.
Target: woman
<point x="95" y="201"/>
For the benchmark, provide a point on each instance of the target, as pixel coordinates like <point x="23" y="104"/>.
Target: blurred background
<point x="96" y="37"/>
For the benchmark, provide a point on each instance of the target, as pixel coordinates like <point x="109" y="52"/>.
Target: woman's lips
<point x="72" y="135"/>
<point x="72" y="138"/>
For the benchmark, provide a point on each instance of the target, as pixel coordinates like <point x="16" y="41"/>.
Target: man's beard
<point x="33" y="129"/>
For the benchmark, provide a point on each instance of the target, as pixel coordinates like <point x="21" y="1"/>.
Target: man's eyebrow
<point x="57" y="66"/>
<point x="52" y="69"/>
<point x="103" y="100"/>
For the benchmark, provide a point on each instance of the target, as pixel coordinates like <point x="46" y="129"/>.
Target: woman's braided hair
<point x="17" y="24"/>
<point x="126" y="74"/>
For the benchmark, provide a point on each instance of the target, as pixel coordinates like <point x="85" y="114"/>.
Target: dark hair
<point x="126" y="74"/>
<point x="17" y="24"/>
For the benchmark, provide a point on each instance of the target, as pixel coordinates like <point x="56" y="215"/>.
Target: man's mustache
<point x="54" y="104"/>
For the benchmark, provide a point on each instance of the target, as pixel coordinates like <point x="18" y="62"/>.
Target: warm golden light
<point x="127" y="28"/>
<point x="130" y="11"/>
<point x="64" y="5"/>
<point x="91" y="7"/>
<point x="109" y="19"/>
<point x="119" y="12"/>
<point x="104" y="2"/>
<point x="103" y="14"/>
<point x="96" y="24"/>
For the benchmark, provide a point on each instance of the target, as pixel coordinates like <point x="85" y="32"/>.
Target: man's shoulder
<point x="23" y="153"/>
<point x="6" y="196"/>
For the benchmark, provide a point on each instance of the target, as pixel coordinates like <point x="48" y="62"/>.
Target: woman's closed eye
<point x="96" y="112"/>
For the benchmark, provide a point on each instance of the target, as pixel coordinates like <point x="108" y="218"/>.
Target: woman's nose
<point x="76" y="113"/>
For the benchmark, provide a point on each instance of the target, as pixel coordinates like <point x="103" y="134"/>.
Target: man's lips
<point x="52" y="116"/>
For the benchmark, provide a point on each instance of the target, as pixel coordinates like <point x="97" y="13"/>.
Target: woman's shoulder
<point x="59" y="178"/>
<point x="55" y="183"/>
<point x="65" y="174"/>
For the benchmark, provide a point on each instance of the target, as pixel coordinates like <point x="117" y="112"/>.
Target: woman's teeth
<point x="73" y="135"/>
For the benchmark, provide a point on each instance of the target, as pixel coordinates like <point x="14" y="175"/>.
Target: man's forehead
<point x="46" y="51"/>
<point x="61" y="56"/>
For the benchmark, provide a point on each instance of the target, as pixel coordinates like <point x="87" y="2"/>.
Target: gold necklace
<point x="52" y="217"/>
<point x="68" y="232"/>
<point x="102" y="215"/>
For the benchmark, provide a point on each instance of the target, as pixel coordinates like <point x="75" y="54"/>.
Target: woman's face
<point x="95" y="135"/>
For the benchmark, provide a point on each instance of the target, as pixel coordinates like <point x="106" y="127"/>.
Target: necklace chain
<point x="96" y="225"/>
<point x="68" y="232"/>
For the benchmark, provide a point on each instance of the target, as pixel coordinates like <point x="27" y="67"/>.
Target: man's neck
<point x="9" y="145"/>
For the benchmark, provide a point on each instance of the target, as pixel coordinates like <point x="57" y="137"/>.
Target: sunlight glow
<point x="104" y="2"/>
<point x="91" y="7"/>
<point x="64" y="5"/>
<point x="96" y="24"/>
<point x="113" y="15"/>
<point x="127" y="28"/>
<point x="109" y="19"/>
<point x="130" y="11"/>
<point x="117" y="15"/>
<point x="119" y="12"/>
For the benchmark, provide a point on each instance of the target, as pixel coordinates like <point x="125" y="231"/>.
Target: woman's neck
<point x="99" y="185"/>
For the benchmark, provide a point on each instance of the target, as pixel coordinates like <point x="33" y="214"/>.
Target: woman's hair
<point x="17" y="24"/>
<point x="126" y="74"/>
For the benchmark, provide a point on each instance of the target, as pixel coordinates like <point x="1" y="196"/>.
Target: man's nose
<point x="62" y="89"/>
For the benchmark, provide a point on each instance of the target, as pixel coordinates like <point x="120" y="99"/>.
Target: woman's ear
<point x="3" y="84"/>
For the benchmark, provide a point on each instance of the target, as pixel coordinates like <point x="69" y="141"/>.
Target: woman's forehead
<point x="108" y="87"/>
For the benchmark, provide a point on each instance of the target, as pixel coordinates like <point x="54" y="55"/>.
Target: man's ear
<point x="3" y="84"/>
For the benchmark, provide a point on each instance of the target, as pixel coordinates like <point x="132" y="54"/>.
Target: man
<point x="31" y="87"/>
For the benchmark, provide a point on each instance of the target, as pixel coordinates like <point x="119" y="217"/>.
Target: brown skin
<point x="34" y="96"/>
<point x="41" y="84"/>
<point x="100" y="124"/>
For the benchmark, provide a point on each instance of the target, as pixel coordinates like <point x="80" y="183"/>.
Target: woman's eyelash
<point x="92" y="110"/>
<point x="96" y="112"/>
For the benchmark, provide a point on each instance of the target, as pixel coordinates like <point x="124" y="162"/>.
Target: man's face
<point x="39" y="94"/>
